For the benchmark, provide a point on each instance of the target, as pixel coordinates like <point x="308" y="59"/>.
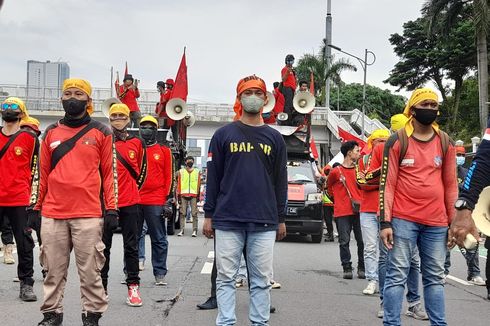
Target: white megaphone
<point x="304" y="102"/>
<point x="176" y="109"/>
<point x="282" y="116"/>
<point x="271" y="102"/>
<point x="106" y="105"/>
<point x="481" y="213"/>
<point x="189" y="119"/>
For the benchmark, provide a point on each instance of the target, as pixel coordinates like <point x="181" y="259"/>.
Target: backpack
<point x="402" y="137"/>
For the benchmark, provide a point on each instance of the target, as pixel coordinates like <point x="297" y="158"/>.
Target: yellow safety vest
<point x="189" y="182"/>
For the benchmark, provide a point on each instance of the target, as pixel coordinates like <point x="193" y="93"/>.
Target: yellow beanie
<point x="119" y="108"/>
<point x="20" y="103"/>
<point x="377" y="134"/>
<point x="398" y="121"/>
<point x="149" y="118"/>
<point x="419" y="95"/>
<point x="82" y="85"/>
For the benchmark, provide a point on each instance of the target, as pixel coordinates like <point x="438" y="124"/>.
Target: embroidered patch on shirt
<point x="54" y="144"/>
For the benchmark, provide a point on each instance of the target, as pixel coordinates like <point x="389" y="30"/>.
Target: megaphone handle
<point x="470" y="242"/>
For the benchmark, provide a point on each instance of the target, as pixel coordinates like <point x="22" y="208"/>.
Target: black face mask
<point x="10" y="116"/>
<point x="189" y="164"/>
<point x="425" y="116"/>
<point x="74" y="107"/>
<point x="149" y="135"/>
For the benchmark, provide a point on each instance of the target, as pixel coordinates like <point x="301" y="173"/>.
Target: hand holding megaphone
<point x="463" y="231"/>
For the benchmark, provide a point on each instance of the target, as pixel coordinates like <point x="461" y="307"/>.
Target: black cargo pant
<point x="6" y="230"/>
<point x="131" y="225"/>
<point x="345" y="225"/>
<point x="328" y="218"/>
<point x="17" y="217"/>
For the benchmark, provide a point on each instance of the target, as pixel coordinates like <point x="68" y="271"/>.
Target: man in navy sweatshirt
<point x="477" y="178"/>
<point x="246" y="197"/>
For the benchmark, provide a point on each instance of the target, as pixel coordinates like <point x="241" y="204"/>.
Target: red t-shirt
<point x="73" y="188"/>
<point x="370" y="198"/>
<point x="164" y="98"/>
<point x="130" y="98"/>
<point x="159" y="175"/>
<point x="133" y="151"/>
<point x="290" y="79"/>
<point x="15" y="169"/>
<point x="342" y="204"/>
<point x="423" y="188"/>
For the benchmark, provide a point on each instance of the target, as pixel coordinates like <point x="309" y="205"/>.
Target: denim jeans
<point x="258" y="248"/>
<point x="413" y="295"/>
<point x="158" y="235"/>
<point x="431" y="241"/>
<point x="345" y="225"/>
<point x="472" y="261"/>
<point x="141" y="243"/>
<point x="370" y="238"/>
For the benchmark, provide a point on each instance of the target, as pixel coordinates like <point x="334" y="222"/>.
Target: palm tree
<point x="316" y="63"/>
<point x="451" y="10"/>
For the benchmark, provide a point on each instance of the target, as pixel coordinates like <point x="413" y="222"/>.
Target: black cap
<point x="189" y="158"/>
<point x="161" y="84"/>
<point x="128" y="77"/>
<point x="289" y="58"/>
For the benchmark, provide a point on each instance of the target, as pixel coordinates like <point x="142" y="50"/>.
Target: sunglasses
<point x="13" y="106"/>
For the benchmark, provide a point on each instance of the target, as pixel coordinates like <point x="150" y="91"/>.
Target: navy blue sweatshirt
<point x="478" y="176"/>
<point x="240" y="194"/>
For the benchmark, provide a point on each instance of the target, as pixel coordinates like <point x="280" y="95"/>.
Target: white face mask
<point x="460" y="160"/>
<point x="252" y="104"/>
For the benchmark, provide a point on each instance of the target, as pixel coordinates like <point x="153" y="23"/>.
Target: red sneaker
<point x="134" y="298"/>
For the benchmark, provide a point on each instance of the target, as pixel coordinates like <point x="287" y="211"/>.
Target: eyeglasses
<point x="13" y="106"/>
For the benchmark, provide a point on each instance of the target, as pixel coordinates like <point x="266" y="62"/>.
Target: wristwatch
<point x="462" y="204"/>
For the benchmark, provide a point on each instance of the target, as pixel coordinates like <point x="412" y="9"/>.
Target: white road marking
<point x="455" y="279"/>
<point x="207" y="268"/>
<point x="211" y="255"/>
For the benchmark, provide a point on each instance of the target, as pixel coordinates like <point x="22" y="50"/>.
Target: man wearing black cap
<point x="128" y="93"/>
<point x="288" y="77"/>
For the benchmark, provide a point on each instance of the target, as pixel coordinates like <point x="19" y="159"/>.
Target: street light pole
<point x="364" y="65"/>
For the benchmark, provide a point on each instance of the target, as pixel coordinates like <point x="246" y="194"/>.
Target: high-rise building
<point x="45" y="79"/>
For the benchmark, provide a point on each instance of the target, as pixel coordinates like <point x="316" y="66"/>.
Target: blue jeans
<point x="431" y="241"/>
<point x="472" y="261"/>
<point x="141" y="243"/>
<point x="413" y="295"/>
<point x="370" y="237"/>
<point x="258" y="248"/>
<point x="158" y="235"/>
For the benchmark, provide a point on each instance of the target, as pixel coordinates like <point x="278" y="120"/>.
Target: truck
<point x="304" y="205"/>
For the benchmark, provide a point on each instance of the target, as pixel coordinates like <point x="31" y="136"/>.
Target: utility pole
<point x="328" y="51"/>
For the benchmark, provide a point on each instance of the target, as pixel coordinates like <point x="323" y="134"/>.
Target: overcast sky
<point x="225" y="39"/>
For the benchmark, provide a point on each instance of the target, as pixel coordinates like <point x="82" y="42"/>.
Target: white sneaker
<point x="181" y="233"/>
<point x="477" y="280"/>
<point x="239" y="283"/>
<point x="381" y="312"/>
<point x="275" y="285"/>
<point x="142" y="266"/>
<point x="194" y="234"/>
<point x="370" y="288"/>
<point x="160" y="281"/>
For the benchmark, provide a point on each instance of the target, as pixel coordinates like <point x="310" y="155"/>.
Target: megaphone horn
<point x="304" y="102"/>
<point x="189" y="119"/>
<point x="282" y="116"/>
<point x="176" y="109"/>
<point x="481" y="213"/>
<point x="271" y="102"/>
<point x="106" y="105"/>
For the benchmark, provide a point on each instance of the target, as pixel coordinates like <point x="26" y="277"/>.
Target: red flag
<point x="180" y="87"/>
<point x="313" y="150"/>
<point x="312" y="83"/>
<point x="345" y="136"/>
<point x="116" y="84"/>
<point x="126" y="69"/>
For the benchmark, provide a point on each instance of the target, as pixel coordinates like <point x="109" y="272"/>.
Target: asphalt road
<point x="313" y="291"/>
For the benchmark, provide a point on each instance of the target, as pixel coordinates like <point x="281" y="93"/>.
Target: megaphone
<point x="271" y="102"/>
<point x="282" y="116"/>
<point x="304" y="102"/>
<point x="176" y="109"/>
<point x="106" y="105"/>
<point x="189" y="119"/>
<point x="481" y="213"/>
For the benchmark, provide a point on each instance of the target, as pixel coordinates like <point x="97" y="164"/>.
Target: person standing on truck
<point x="342" y="187"/>
<point x="246" y="199"/>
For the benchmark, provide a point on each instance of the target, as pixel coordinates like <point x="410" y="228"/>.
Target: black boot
<point x="347" y="272"/>
<point x="51" y="319"/>
<point x="91" y="318"/>
<point x="488" y="295"/>
<point x="329" y="237"/>
<point x="211" y="303"/>
<point x="26" y="292"/>
<point x="361" y="272"/>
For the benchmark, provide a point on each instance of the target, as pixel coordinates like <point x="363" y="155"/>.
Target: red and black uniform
<point x="128" y="96"/>
<point x="164" y="98"/>
<point x="131" y="174"/>
<point x="158" y="184"/>
<point x="17" y="167"/>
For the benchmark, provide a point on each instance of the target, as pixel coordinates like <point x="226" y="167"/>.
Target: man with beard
<point x="155" y="196"/>
<point x="131" y="173"/>
<point x="18" y="155"/>
<point x="246" y="202"/>
<point x="77" y="170"/>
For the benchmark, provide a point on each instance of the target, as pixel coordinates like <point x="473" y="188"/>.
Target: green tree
<point x="451" y="11"/>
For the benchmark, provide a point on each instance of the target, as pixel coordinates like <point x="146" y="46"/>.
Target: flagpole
<point x="112" y="80"/>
